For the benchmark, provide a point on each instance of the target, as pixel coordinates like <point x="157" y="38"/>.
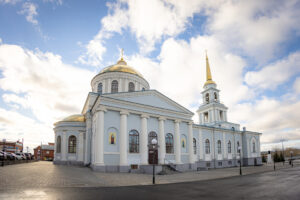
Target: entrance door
<point x="153" y="156"/>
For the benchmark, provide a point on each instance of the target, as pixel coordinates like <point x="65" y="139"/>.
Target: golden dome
<point x="121" y="66"/>
<point x="74" y="118"/>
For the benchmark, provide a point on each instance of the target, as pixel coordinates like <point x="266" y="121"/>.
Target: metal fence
<point x="12" y="162"/>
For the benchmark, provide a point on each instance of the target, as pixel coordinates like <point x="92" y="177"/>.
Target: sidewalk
<point x="45" y="174"/>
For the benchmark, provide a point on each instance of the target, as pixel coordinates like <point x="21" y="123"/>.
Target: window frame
<point x="114" y="86"/>
<point x="207" y="146"/>
<point x="169" y="143"/>
<point x="195" y="146"/>
<point x="131" y="87"/>
<point x="72" y="144"/>
<point x="58" y="144"/>
<point x="219" y="143"/>
<point x="134" y="141"/>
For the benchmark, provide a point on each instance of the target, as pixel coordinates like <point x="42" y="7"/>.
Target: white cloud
<point x="276" y="119"/>
<point x="57" y="2"/>
<point x="30" y="11"/>
<point x="42" y="83"/>
<point x="149" y="21"/>
<point x="256" y="27"/>
<point x="12" y="2"/>
<point x="296" y="85"/>
<point x="269" y="77"/>
<point x="180" y="72"/>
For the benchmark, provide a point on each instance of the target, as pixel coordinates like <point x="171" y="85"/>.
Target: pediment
<point x="151" y="98"/>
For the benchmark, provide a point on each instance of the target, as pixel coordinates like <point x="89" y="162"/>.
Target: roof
<point x="73" y="118"/>
<point x="121" y="66"/>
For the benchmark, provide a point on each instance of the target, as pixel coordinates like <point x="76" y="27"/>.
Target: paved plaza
<point x="43" y="180"/>
<point x="45" y="174"/>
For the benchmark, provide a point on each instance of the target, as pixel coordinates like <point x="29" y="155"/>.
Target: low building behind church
<point x="122" y="115"/>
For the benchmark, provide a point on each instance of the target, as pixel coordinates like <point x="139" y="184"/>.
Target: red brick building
<point x="44" y="153"/>
<point x="11" y="146"/>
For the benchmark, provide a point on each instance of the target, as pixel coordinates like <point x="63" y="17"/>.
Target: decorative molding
<point x="101" y="108"/>
<point x="124" y="112"/>
<point x="177" y="121"/>
<point x="144" y="116"/>
<point x="162" y="118"/>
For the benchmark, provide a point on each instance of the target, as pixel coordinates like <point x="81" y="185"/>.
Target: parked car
<point x="10" y="156"/>
<point x="1" y="155"/>
<point x="28" y="156"/>
<point x="19" y="156"/>
<point x="14" y="156"/>
<point x="24" y="156"/>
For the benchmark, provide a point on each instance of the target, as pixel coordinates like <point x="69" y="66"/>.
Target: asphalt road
<point x="283" y="184"/>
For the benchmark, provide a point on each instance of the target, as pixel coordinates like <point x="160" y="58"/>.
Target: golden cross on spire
<point x="122" y="52"/>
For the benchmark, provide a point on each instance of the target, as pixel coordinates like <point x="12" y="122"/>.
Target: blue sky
<point x="50" y="50"/>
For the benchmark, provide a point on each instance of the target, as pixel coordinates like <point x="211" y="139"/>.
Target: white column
<point x="55" y="143"/>
<point x="161" y="141"/>
<point x="144" y="140"/>
<point x="87" y="149"/>
<point x="99" y="145"/>
<point x="177" y="143"/>
<point x="190" y="138"/>
<point x="213" y="115"/>
<point x="224" y="147"/>
<point x="225" y="116"/>
<point x="64" y="148"/>
<point x="201" y="152"/>
<point x="258" y="146"/>
<point x="80" y="147"/>
<point x="123" y="137"/>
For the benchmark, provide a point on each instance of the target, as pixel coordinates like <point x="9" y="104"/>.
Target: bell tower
<point x="212" y="111"/>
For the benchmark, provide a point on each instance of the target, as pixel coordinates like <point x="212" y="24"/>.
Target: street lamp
<point x="154" y="148"/>
<point x="240" y="148"/>
<point x="292" y="158"/>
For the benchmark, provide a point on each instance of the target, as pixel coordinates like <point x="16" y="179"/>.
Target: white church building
<point x="122" y="115"/>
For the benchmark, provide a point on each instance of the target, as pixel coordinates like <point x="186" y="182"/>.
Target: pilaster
<point x="144" y="140"/>
<point x="190" y="138"/>
<point x="161" y="142"/>
<point x="123" y="138"/>
<point x="177" y="142"/>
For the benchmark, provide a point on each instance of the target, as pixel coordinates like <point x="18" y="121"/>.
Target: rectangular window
<point x="220" y="164"/>
<point x="208" y="164"/>
<point x="206" y="117"/>
<point x="229" y="162"/>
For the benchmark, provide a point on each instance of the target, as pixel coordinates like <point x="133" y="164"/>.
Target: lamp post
<point x="292" y="158"/>
<point x="154" y="148"/>
<point x="240" y="148"/>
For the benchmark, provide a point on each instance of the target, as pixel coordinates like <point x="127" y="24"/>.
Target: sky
<point x="51" y="49"/>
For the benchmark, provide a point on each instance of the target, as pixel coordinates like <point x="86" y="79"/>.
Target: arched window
<point x="58" y="144"/>
<point x="237" y="147"/>
<point x="143" y="89"/>
<point x="207" y="146"/>
<point x="195" y="145"/>
<point x="100" y="88"/>
<point x="207" y="97"/>
<point x="216" y="96"/>
<point x="219" y="147"/>
<point x="133" y="141"/>
<point x="169" y="143"/>
<point x="253" y="147"/>
<point x="114" y="86"/>
<point x="229" y="147"/>
<point x="131" y="87"/>
<point x="72" y="144"/>
<point x="152" y="135"/>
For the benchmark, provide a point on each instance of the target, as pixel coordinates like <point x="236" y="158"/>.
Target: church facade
<point x="122" y="115"/>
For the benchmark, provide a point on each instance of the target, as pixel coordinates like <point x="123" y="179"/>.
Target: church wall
<point x="111" y="158"/>
<point x="183" y="129"/>
<point x="111" y="126"/>
<point x="133" y="123"/>
<point x="207" y="134"/>
<point x="152" y="124"/>
<point x="219" y="136"/>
